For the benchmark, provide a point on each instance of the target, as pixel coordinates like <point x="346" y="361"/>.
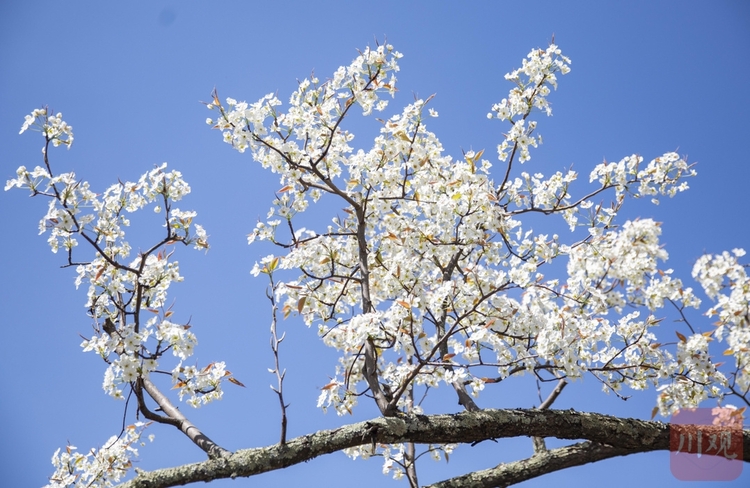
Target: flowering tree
<point x="430" y="277"/>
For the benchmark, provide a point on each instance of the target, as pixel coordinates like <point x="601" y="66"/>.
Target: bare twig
<point x="275" y="342"/>
<point x="539" y="444"/>
<point x="411" y="457"/>
<point x="553" y="396"/>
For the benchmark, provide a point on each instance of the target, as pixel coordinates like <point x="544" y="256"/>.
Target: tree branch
<point x="626" y="435"/>
<point x="542" y="463"/>
<point x="177" y="419"/>
<point x="539" y="444"/>
<point x="280" y="374"/>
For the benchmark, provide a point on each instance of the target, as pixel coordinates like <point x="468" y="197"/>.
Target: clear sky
<point x="647" y="78"/>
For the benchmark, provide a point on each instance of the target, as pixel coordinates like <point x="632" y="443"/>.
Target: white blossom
<point x="428" y="260"/>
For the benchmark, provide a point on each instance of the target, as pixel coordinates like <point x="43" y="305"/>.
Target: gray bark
<point x="609" y="436"/>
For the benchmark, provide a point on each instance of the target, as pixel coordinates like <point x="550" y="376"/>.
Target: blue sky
<point x="647" y="78"/>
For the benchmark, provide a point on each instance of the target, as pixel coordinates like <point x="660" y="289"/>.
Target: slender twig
<point x="539" y="444"/>
<point x="410" y="454"/>
<point x="275" y="342"/>
<point x="553" y="395"/>
<point x="682" y="314"/>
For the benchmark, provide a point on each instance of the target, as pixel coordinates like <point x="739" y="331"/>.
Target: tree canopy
<point x="424" y="271"/>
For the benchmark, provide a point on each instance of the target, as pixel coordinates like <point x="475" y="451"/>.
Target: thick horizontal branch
<point x="539" y="464"/>
<point x="467" y="427"/>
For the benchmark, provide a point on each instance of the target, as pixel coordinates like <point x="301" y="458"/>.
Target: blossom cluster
<point x="126" y="296"/>
<point x="533" y="82"/>
<point x="119" y="290"/>
<point x="725" y="280"/>
<point x="431" y="273"/>
<point x="432" y="264"/>
<point x="306" y="144"/>
<point x="103" y="467"/>
<point x="660" y="177"/>
<point x="54" y="128"/>
<point x="394" y="459"/>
